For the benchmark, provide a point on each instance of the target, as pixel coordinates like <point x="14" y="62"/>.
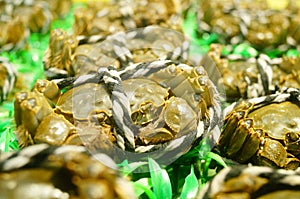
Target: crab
<point x="8" y="76"/>
<point x="101" y="18"/>
<point x="13" y="34"/>
<point x="68" y="55"/>
<point x="144" y="107"/>
<point x="263" y="131"/>
<point x="152" y="106"/>
<point x="286" y="73"/>
<point x="58" y="56"/>
<point x="252" y="182"/>
<point x="240" y="77"/>
<point x="61" y="172"/>
<point x="37" y="17"/>
<point x="269" y="29"/>
<point x="19" y="18"/>
<point x="255" y="23"/>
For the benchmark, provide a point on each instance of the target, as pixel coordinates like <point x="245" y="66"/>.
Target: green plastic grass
<point x="181" y="179"/>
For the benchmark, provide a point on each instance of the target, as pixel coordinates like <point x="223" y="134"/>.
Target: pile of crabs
<point x="125" y="86"/>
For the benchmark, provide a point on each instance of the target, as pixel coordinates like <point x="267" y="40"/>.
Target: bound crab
<point x="8" y="77"/>
<point x="148" y="106"/>
<point x="286" y="72"/>
<point x="240" y="77"/>
<point x="105" y="18"/>
<point x="254" y="77"/>
<point x="43" y="171"/>
<point x="19" y="18"/>
<point x="69" y="55"/>
<point x="255" y="23"/>
<point x="252" y="182"/>
<point x="263" y="131"/>
<point x="14" y="33"/>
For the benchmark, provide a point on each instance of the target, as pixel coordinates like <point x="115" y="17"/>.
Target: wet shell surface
<point x="43" y="171"/>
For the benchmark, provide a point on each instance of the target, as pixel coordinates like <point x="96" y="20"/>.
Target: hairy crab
<point x="254" y="77"/>
<point x="254" y="22"/>
<point x="144" y="107"/>
<point x="105" y="18"/>
<point x="240" y="77"/>
<point x="68" y="55"/>
<point x="252" y="182"/>
<point x="13" y="34"/>
<point x="8" y="77"/>
<point x="43" y="171"/>
<point x="19" y="18"/>
<point x="286" y="72"/>
<point x="264" y="130"/>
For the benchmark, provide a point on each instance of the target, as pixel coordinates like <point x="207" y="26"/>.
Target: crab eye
<point x="240" y="114"/>
<point x="21" y="96"/>
<point x="260" y="132"/>
<point x="31" y="102"/>
<point x="248" y="123"/>
<point x="200" y="71"/>
<point x="202" y="81"/>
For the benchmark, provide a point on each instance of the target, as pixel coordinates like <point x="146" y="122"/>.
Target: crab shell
<point x="70" y="56"/>
<point x="101" y="18"/>
<point x="146" y="98"/>
<point x="255" y="22"/>
<point x="263" y="131"/>
<point x="139" y="91"/>
<point x="252" y="182"/>
<point x="43" y="171"/>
